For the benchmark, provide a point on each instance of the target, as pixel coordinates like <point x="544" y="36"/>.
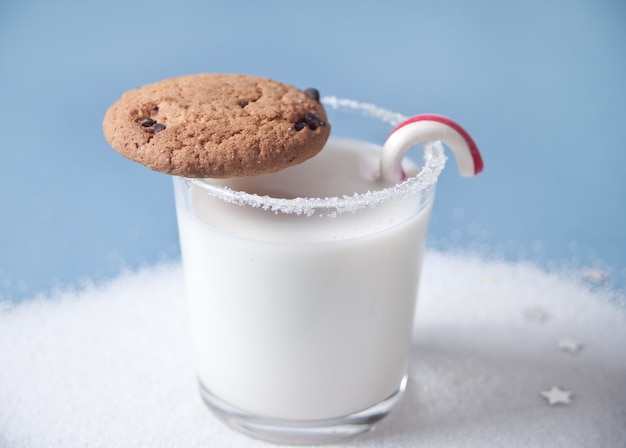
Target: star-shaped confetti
<point x="490" y="279"/>
<point x="569" y="345"/>
<point x="595" y="275"/>
<point x="556" y="395"/>
<point x="536" y="313"/>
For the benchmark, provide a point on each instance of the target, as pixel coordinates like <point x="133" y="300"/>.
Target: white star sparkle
<point x="536" y="313"/>
<point x="595" y="275"/>
<point x="556" y="395"/>
<point x="569" y="345"/>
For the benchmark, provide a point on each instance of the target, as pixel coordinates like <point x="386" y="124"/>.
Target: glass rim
<point x="434" y="162"/>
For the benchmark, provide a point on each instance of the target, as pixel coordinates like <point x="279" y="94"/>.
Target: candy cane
<point x="422" y="129"/>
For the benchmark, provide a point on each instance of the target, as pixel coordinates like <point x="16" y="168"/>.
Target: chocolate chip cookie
<point x="216" y="125"/>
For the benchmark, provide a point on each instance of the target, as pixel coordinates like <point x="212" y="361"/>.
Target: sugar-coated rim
<point x="434" y="161"/>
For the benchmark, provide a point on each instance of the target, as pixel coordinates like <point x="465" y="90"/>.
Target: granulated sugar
<point x="110" y="366"/>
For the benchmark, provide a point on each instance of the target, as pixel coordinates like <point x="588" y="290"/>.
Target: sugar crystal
<point x="111" y="365"/>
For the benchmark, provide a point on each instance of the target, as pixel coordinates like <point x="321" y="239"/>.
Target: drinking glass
<point x="302" y="284"/>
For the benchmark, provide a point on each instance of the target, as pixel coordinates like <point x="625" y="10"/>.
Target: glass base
<point x="309" y="432"/>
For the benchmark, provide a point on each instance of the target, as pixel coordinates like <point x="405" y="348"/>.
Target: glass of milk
<point x="302" y="284"/>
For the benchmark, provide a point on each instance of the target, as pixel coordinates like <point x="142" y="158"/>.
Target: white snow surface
<point x="110" y="365"/>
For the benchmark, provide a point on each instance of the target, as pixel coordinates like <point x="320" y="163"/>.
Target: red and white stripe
<point x="422" y="129"/>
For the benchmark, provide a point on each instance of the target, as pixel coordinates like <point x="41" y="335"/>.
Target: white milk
<point x="302" y="317"/>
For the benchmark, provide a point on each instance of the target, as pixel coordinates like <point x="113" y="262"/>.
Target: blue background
<point x="539" y="84"/>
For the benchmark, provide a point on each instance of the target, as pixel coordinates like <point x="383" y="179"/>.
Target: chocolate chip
<point x="158" y="127"/>
<point x="312" y="93"/>
<point x="243" y="104"/>
<point x="313" y="121"/>
<point x="146" y="122"/>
